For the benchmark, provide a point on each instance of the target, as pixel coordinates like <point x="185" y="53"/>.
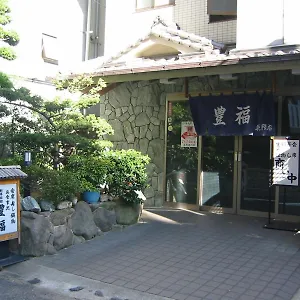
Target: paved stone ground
<point x="190" y="256"/>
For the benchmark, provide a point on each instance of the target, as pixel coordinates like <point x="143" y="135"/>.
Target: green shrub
<point x="126" y="173"/>
<point x="52" y="185"/>
<point x="91" y="171"/>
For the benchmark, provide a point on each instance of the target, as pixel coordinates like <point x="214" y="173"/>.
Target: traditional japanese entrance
<point x="235" y="174"/>
<point x="227" y="173"/>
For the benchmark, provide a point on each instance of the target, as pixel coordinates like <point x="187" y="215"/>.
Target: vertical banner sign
<point x="188" y="134"/>
<point x="8" y="209"/>
<point x="285" y="162"/>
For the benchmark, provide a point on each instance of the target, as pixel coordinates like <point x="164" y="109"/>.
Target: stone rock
<point x="47" y="206"/>
<point x="155" y="132"/>
<point x="30" y="204"/>
<point x="46" y="214"/>
<point x="161" y="114"/>
<point x="130" y="138"/>
<point x="155" y="183"/>
<point x="131" y="119"/>
<point x="64" y="205"/>
<point x="160" y="182"/>
<point x="154" y="121"/>
<point x="127" y="128"/>
<point x="149" y="135"/>
<point x="133" y="100"/>
<point x="118" y="112"/>
<point x="149" y="111"/>
<point x="110" y="205"/>
<point x="162" y="100"/>
<point x="83" y="222"/>
<point x="143" y="131"/>
<point x="162" y="131"/>
<point x="136" y="132"/>
<point x="63" y="237"/>
<point x="120" y="96"/>
<point x="130" y="110"/>
<point x="35" y="234"/>
<point x="142" y="119"/>
<point x="61" y="217"/>
<point x="154" y="151"/>
<point x="137" y="110"/>
<point x="124" y="117"/>
<point x="28" y="215"/>
<point x="108" y="112"/>
<point x="119" y="133"/>
<point x="151" y="169"/>
<point x="95" y="206"/>
<point x="149" y="192"/>
<point x="104" y="218"/>
<point x="144" y="146"/>
<point x="78" y="240"/>
<point x="124" y="109"/>
<point x="112" y="116"/>
<point x="127" y="214"/>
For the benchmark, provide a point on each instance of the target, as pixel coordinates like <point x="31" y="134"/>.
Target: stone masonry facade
<point x="136" y="111"/>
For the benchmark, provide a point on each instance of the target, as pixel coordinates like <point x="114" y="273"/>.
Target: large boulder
<point x="30" y="204"/>
<point x="64" y="205"/>
<point x="63" y="237"/>
<point x="127" y="213"/>
<point x="61" y="217"/>
<point x="36" y="235"/>
<point x="82" y="221"/>
<point x="47" y="206"/>
<point x="104" y="218"/>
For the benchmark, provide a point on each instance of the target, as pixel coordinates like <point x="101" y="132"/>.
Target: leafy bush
<point x="126" y="173"/>
<point x="91" y="171"/>
<point x="58" y="186"/>
<point x="52" y="185"/>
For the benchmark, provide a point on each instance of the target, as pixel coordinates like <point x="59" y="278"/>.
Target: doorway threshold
<point x="283" y="225"/>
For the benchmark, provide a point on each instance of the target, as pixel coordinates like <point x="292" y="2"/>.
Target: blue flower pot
<point x="91" y="197"/>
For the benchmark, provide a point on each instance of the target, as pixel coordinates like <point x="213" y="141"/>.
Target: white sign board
<point x="188" y="134"/>
<point x="285" y="162"/>
<point x="8" y="208"/>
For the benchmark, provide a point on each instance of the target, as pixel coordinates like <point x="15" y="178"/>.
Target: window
<point x="221" y="10"/>
<point x="49" y="49"/>
<point x="148" y="4"/>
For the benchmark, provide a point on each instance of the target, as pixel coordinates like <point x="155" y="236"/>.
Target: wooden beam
<point x="109" y="87"/>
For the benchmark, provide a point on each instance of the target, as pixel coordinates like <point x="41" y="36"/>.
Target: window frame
<point x="44" y="56"/>
<point x="211" y="11"/>
<point x="153" y="6"/>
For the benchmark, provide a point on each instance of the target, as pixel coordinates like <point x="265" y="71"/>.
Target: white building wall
<point x="31" y="18"/>
<point x="124" y="25"/>
<point x="192" y="16"/>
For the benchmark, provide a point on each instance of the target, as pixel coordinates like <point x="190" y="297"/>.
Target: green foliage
<point x="10" y="37"/>
<point x="52" y="185"/>
<point x="51" y="130"/>
<point x="126" y="173"/>
<point x="7" y="53"/>
<point x="91" y="171"/>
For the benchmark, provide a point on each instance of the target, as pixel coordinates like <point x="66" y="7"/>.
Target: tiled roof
<point x="171" y="32"/>
<point x="189" y="61"/>
<point x="202" y="52"/>
<point x="11" y="172"/>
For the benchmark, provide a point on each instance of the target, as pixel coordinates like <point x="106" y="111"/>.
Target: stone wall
<point x="136" y="111"/>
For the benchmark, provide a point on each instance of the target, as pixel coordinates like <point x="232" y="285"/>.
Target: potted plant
<point x="91" y="193"/>
<point x="126" y="179"/>
<point x="91" y="171"/>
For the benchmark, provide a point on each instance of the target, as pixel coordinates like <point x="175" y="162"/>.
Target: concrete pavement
<point x="177" y="254"/>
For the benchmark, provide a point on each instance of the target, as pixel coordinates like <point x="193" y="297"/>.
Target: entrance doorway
<point x="235" y="174"/>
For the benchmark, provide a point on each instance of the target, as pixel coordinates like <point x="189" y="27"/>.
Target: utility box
<point x="10" y="210"/>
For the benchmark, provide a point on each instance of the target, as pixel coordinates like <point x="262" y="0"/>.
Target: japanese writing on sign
<point x="8" y="209"/>
<point x="243" y="115"/>
<point x="188" y="134"/>
<point x="285" y="162"/>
